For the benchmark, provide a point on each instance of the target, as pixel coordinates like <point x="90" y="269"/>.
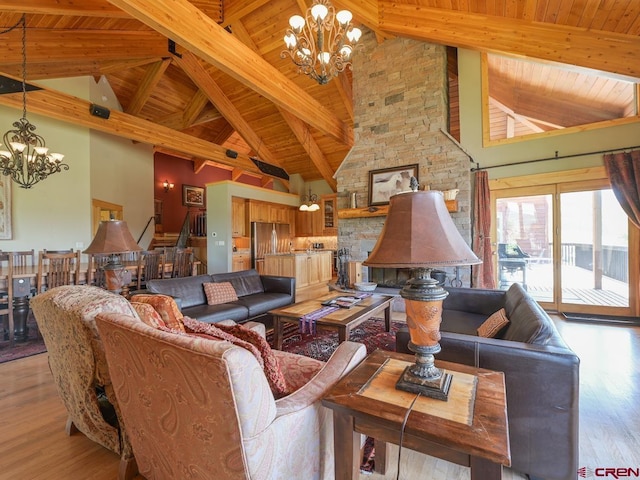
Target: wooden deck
<point x="612" y="294"/>
<point x="580" y="296"/>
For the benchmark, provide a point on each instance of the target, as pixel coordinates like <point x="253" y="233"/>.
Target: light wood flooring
<point x="33" y="444"/>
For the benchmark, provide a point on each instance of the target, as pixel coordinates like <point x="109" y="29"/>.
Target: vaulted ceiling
<point x="227" y="87"/>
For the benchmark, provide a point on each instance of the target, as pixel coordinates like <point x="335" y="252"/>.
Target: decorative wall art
<point x="5" y="208"/>
<point x="192" y="196"/>
<point x="386" y="182"/>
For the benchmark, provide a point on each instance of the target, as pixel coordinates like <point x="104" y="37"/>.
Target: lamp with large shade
<point x="113" y="238"/>
<point x="419" y="234"/>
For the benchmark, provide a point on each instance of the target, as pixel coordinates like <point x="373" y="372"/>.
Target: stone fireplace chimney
<point x="401" y="110"/>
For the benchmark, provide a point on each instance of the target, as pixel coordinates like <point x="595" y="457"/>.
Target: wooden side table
<point x="470" y="429"/>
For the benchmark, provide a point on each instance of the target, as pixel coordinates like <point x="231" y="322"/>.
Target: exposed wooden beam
<point x="194" y="108"/>
<point x="297" y="126"/>
<point x="198" y="165"/>
<point x="236" y="174"/>
<point x="237" y="10"/>
<point x="607" y="51"/>
<point x="191" y="65"/>
<point x="366" y="12"/>
<point x="302" y="133"/>
<point x="47" y="46"/>
<point x="223" y="134"/>
<point x="185" y="24"/>
<point x="85" y="8"/>
<point x="345" y="89"/>
<point x="150" y="80"/>
<point x="67" y="108"/>
<point x="511" y="115"/>
<point x="111" y="66"/>
<point x="76" y="68"/>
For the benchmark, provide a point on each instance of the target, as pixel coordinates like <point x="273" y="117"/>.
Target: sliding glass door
<point x="594" y="254"/>
<point x="524" y="241"/>
<point x="567" y="244"/>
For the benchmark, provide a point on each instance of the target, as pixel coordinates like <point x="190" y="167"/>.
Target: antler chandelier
<point x="27" y="160"/>
<point x="322" y="45"/>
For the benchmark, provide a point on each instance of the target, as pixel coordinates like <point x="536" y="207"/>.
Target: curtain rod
<point x="478" y="167"/>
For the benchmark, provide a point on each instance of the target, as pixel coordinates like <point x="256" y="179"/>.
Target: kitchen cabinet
<point x="258" y="211"/>
<point x="309" y="224"/>
<point x="329" y="209"/>
<point x="238" y="217"/>
<point x="240" y="261"/>
<point x="269" y="212"/>
<point x="278" y="213"/>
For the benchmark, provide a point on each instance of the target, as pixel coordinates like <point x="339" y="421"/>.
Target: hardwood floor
<point x="34" y="446"/>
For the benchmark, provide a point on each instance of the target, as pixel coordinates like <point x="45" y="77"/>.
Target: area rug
<point x="32" y="346"/>
<point x="322" y="344"/>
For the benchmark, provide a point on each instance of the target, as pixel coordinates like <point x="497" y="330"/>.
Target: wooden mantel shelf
<point x="381" y="211"/>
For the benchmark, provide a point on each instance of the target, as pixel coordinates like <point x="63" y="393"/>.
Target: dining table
<point x="25" y="283"/>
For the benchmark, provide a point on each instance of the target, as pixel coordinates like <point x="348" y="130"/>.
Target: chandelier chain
<point x="27" y="159"/>
<point x="24" y="66"/>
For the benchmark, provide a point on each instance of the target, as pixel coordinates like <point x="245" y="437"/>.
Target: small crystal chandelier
<point x="318" y="45"/>
<point x="27" y="160"/>
<point x="309" y="203"/>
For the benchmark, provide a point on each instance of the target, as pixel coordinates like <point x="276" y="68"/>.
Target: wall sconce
<point x="167" y="186"/>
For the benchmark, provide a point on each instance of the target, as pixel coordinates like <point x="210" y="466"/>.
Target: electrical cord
<point x="404" y="424"/>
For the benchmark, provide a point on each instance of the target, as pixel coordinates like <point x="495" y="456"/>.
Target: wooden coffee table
<point x="469" y="429"/>
<point x="342" y="320"/>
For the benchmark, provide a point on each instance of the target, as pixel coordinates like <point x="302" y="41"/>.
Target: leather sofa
<point x="541" y="374"/>
<point x="257" y="294"/>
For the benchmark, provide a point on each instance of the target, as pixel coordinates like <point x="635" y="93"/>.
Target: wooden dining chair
<point x="6" y="297"/>
<point x="95" y="274"/>
<point x="56" y="269"/>
<point x="182" y="263"/>
<point x="151" y="265"/>
<point x="23" y="258"/>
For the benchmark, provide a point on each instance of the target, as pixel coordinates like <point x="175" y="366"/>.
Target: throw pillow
<point x="165" y="306"/>
<point x="252" y="341"/>
<point x="218" y="293"/>
<point x="148" y="314"/>
<point x="492" y="325"/>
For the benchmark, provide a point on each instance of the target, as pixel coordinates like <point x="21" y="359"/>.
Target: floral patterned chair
<point x="65" y="317"/>
<point x="201" y="408"/>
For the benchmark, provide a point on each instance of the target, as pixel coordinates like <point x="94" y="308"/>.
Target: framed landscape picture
<point x="386" y="182"/>
<point x="192" y="196"/>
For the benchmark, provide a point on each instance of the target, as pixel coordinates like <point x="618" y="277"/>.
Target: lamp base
<point x="433" y="388"/>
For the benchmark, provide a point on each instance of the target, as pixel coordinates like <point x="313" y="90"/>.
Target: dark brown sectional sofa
<point x="257" y="294"/>
<point x="541" y="374"/>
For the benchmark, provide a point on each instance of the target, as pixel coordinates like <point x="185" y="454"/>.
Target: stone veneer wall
<point x="400" y="106"/>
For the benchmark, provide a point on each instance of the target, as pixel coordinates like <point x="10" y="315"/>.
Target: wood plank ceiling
<point x="231" y="89"/>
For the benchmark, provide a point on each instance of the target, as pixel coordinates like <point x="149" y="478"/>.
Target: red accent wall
<point x="180" y="172"/>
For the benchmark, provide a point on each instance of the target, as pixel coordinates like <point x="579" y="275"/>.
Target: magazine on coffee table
<point x="342" y="301"/>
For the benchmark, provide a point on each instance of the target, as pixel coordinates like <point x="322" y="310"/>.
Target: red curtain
<point x="623" y="170"/>
<point x="482" y="275"/>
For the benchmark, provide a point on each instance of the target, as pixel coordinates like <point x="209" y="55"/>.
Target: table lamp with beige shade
<point x="113" y="238"/>
<point x="419" y="234"/>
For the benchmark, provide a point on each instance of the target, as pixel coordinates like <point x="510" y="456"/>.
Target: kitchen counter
<point x="297" y="252"/>
<point x="312" y="270"/>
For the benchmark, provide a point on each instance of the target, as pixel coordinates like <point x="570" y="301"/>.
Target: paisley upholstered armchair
<point x="65" y="317"/>
<point x="197" y="407"/>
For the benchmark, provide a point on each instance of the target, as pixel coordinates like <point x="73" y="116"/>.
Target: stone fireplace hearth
<point x="400" y="91"/>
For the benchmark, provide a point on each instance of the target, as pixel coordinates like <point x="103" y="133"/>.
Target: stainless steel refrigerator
<point x="268" y="238"/>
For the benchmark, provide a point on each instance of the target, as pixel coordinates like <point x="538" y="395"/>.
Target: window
<point x="524" y="97"/>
